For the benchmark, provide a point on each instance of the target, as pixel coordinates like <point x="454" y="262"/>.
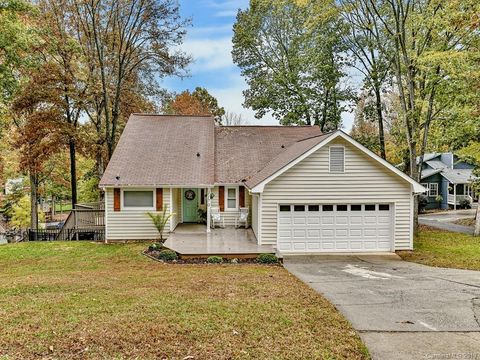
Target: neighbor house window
<point x="138" y="199"/>
<point x="433" y="189"/>
<point x="232" y="198"/>
<point x="337" y="159"/>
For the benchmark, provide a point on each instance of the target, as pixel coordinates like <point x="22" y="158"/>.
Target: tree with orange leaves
<point x="198" y="102"/>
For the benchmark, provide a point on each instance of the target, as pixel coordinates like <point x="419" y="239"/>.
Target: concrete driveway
<point x="402" y="310"/>
<point x="444" y="220"/>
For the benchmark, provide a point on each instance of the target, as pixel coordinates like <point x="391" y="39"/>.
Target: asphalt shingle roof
<point x="162" y="150"/>
<point x="159" y="150"/>
<point x="241" y="151"/>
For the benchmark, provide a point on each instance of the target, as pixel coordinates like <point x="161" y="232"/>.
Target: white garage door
<point x="335" y="228"/>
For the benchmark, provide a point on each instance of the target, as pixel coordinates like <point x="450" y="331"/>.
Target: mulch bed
<point x="154" y="255"/>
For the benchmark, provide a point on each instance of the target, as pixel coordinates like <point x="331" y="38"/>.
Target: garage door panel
<point x="328" y="233"/>
<point x="356" y="220"/>
<point x="326" y="228"/>
<point x="369" y="219"/>
<point x="299" y="233"/>
<point x="313" y="233"/>
<point x="384" y="219"/>
<point x="339" y="233"/>
<point x="315" y="245"/>
<point x="313" y="220"/>
<point x="299" y="220"/>
<point x="356" y="233"/>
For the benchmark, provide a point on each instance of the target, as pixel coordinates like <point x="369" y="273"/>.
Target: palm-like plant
<point x="160" y="221"/>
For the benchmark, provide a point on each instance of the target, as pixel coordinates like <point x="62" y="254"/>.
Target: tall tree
<point x="422" y="39"/>
<point x="361" y="40"/>
<point x="61" y="50"/>
<point x="292" y="68"/>
<point x="16" y="37"/>
<point x="127" y="43"/>
<point x="38" y="116"/>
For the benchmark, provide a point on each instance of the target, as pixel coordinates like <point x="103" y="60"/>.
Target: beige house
<point x="305" y="192"/>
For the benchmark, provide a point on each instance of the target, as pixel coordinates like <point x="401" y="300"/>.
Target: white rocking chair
<point x="216" y="217"/>
<point x="242" y="217"/>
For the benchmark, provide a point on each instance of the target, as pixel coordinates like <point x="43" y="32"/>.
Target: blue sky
<point x="209" y="42"/>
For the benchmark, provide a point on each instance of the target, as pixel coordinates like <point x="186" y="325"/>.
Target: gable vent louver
<point x="337" y="159"/>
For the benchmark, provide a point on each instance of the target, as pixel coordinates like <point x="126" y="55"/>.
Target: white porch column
<point x="454" y="196"/>
<point x="209" y="201"/>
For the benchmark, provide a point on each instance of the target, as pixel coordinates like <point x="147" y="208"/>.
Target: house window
<point x="433" y="189"/>
<point x="138" y="199"/>
<point x="232" y="198"/>
<point x="337" y="159"/>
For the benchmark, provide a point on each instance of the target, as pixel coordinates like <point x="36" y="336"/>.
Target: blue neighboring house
<point x="445" y="175"/>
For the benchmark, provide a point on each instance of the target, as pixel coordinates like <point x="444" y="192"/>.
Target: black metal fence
<point x="66" y="234"/>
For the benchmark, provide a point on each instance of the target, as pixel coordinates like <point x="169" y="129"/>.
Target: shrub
<point x="465" y="204"/>
<point x="422" y="203"/>
<point x="155" y="247"/>
<point x="168" y="255"/>
<point x="214" y="259"/>
<point x="267" y="259"/>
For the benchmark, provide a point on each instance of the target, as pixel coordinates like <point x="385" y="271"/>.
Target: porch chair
<point x="242" y="217"/>
<point x="216" y="217"/>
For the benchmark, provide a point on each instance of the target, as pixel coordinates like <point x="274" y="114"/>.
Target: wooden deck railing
<point x="82" y="218"/>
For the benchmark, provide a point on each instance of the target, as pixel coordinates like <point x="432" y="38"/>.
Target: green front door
<point x="190" y="205"/>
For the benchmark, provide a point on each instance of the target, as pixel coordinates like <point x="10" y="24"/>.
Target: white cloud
<point x="209" y="54"/>
<point x="226" y="13"/>
<point x="226" y="8"/>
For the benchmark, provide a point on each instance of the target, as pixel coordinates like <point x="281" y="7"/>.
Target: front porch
<point x="193" y="240"/>
<point x="458" y="194"/>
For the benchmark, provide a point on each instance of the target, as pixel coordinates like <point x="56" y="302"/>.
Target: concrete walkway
<point x="401" y="310"/>
<point x="444" y="220"/>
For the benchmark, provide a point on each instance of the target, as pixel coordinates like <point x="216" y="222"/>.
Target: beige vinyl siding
<point x="364" y="180"/>
<point x="230" y="216"/>
<point x="254" y="211"/>
<point x="176" y="207"/>
<point x="131" y="224"/>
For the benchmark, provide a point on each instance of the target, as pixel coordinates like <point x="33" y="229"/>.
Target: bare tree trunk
<point x="381" y="132"/>
<point x="73" y="171"/>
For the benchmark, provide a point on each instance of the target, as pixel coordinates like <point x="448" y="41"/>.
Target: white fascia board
<point x="417" y="188"/>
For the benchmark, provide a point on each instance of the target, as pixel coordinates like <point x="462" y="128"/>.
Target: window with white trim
<point x="433" y="189"/>
<point x="337" y="159"/>
<point x="138" y="199"/>
<point x="231" y="198"/>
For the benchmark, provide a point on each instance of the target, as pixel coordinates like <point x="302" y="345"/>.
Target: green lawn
<point x="445" y="249"/>
<point x="90" y="300"/>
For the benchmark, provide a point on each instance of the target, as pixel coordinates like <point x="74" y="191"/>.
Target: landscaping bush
<point x="214" y="259"/>
<point x="168" y="255"/>
<point x="422" y="203"/>
<point x="465" y="204"/>
<point x="267" y="259"/>
<point x="155" y="247"/>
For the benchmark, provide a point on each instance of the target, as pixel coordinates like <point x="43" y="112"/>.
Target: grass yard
<point x="88" y="300"/>
<point x="444" y="249"/>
